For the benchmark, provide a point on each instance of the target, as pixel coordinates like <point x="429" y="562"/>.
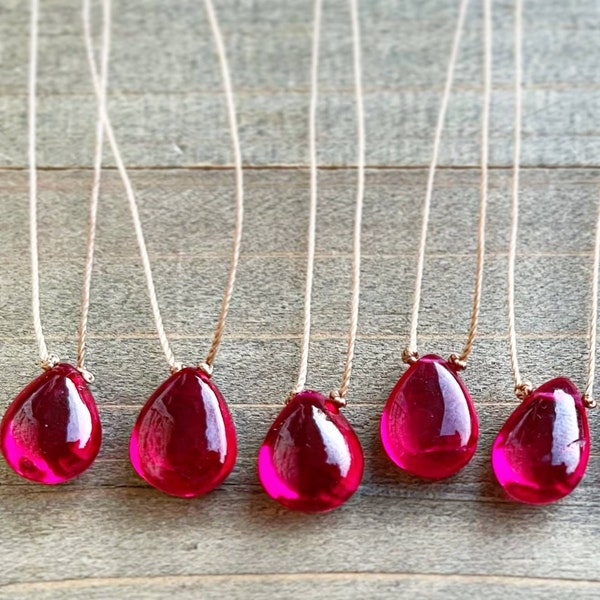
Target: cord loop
<point x="409" y="357"/>
<point x="523" y="389"/>
<point x="336" y="398"/>
<point x="206" y="368"/>
<point x="459" y="364"/>
<point x="87" y="375"/>
<point x="49" y="362"/>
<point x="176" y="367"/>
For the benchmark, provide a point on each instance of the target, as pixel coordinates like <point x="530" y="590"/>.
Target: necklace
<point x="541" y="452"/>
<point x="183" y="441"/>
<point x="311" y="459"/>
<point x="51" y="431"/>
<point x="429" y="426"/>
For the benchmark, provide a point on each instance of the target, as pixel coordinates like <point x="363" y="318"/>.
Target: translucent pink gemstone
<point x="311" y="459"/>
<point x="429" y="426"/>
<point x="51" y="431"/>
<point x="183" y="442"/>
<point x="542" y="451"/>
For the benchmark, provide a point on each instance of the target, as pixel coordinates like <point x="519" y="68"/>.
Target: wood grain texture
<point x="108" y="535"/>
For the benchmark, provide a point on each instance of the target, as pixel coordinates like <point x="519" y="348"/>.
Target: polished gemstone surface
<point x="51" y="431"/>
<point x="311" y="459"/>
<point x="429" y="425"/>
<point x="542" y="451"/>
<point x="184" y="442"/>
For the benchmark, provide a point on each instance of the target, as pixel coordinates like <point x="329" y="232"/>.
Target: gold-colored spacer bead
<point x="176" y="368"/>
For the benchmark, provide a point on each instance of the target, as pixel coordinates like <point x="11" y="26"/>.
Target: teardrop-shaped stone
<point x="429" y="425"/>
<point x="542" y="451"/>
<point x="311" y="459"/>
<point x="51" y="431"/>
<point x="183" y="442"/>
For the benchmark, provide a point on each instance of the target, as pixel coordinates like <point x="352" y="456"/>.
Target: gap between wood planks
<point x="250" y="336"/>
<point x="299" y="166"/>
<point x="209" y="256"/>
<point x="370" y="489"/>
<point x="305" y="576"/>
<point x="17" y="92"/>
<point x="302" y="255"/>
<point x="342" y="91"/>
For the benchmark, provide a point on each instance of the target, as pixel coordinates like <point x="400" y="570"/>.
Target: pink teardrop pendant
<point x="542" y="451"/>
<point x="311" y="459"/>
<point x="429" y="425"/>
<point x="183" y="442"/>
<point x="51" y="431"/>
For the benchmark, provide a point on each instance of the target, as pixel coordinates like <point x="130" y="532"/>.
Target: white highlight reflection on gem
<point x="565" y="431"/>
<point x="79" y="427"/>
<point x="215" y="425"/>
<point x="334" y="442"/>
<point x="456" y="414"/>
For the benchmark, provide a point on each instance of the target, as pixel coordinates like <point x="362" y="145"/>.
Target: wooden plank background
<point x="108" y="535"/>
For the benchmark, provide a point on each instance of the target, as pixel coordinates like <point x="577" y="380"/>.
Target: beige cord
<point x="360" y="193"/>
<point x="312" y="216"/>
<point x="46" y="360"/>
<point x="164" y="342"/>
<point x="411" y="353"/>
<point x="239" y="187"/>
<point x="338" y="395"/>
<point x="461" y="360"/>
<point x="91" y="234"/>
<point x="588" y="393"/>
<point x="49" y="360"/>
<point x="522" y="387"/>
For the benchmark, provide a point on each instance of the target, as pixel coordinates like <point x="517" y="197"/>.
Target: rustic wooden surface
<point x="108" y="535"/>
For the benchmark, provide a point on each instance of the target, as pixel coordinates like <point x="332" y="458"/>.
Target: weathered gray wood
<point x="166" y="98"/>
<point x="108" y="535"/>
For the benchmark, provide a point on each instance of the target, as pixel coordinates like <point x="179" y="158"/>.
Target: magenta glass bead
<point x="183" y="442"/>
<point x="51" y="431"/>
<point x="311" y="459"/>
<point x="429" y="425"/>
<point x="542" y="451"/>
